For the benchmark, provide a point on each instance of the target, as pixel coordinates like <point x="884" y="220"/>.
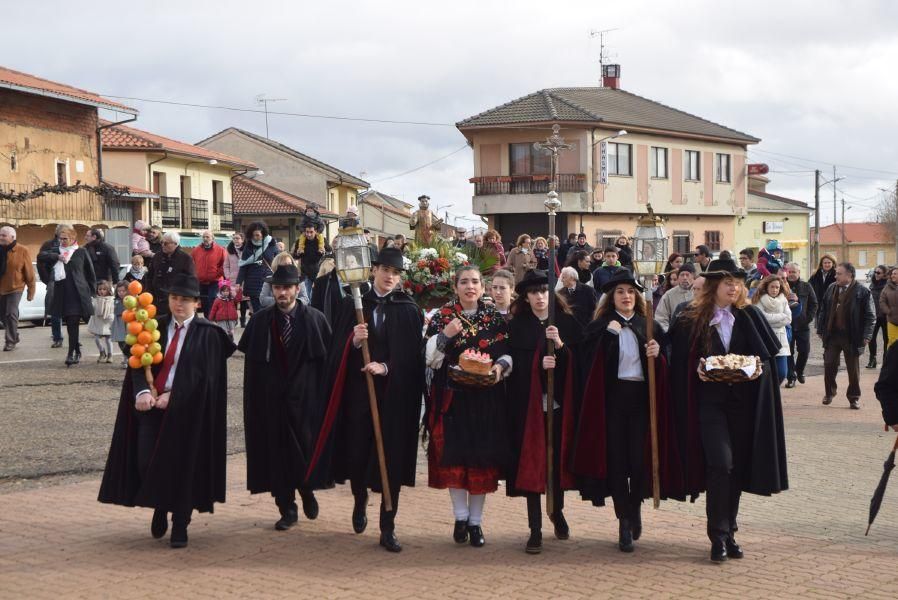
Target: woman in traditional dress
<point x="468" y="447"/>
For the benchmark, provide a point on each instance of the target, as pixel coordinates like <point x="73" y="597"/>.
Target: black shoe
<point x="636" y="524"/>
<point x="359" y="518"/>
<point x="178" y="535"/>
<point x="288" y="519"/>
<point x="872" y="363"/>
<point x="389" y="541"/>
<point x="309" y="505"/>
<point x="77" y="354"/>
<point x="460" y="534"/>
<point x="56" y="344"/>
<point x="160" y="523"/>
<point x="70" y="359"/>
<point x="718" y="551"/>
<point x="800" y="377"/>
<point x="535" y="542"/>
<point x="790" y="383"/>
<point x="732" y="548"/>
<point x="9" y="347"/>
<point x="562" y="530"/>
<point x="625" y="536"/>
<point x="854" y="404"/>
<point x="475" y="536"/>
<point x="827" y="400"/>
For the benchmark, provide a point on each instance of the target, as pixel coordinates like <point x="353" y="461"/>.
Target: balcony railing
<point x="76" y="207"/>
<point x="170" y="209"/>
<point x="527" y="184"/>
<point x="199" y="213"/>
<point x="227" y="217"/>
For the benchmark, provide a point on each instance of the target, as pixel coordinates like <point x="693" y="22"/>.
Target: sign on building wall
<point x="773" y="226"/>
<point x="603" y="163"/>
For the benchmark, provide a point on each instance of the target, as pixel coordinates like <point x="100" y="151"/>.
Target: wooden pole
<point x="653" y="404"/>
<point x="372" y="402"/>
<point x="550" y="379"/>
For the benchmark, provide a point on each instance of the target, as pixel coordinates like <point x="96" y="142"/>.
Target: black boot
<point x="289" y="518"/>
<point x="872" y="363"/>
<point x="77" y="354"/>
<point x="475" y="536"/>
<point x="388" y="540"/>
<point x="718" y="550"/>
<point x="70" y="358"/>
<point x="359" y="516"/>
<point x="178" y="537"/>
<point x="535" y="543"/>
<point x="636" y="522"/>
<point x="625" y="536"/>
<point x="562" y="530"/>
<point x="309" y="504"/>
<point x="733" y="549"/>
<point x="460" y="533"/>
<point x="160" y="523"/>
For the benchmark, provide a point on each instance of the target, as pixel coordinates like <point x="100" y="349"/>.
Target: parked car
<point x="36" y="311"/>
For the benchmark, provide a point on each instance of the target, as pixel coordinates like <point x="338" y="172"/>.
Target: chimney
<point x="611" y="76"/>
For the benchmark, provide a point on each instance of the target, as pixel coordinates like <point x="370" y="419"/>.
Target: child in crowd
<point x="100" y="323"/>
<point x="224" y="309"/>
<point x="137" y="270"/>
<point x="119" y="329"/>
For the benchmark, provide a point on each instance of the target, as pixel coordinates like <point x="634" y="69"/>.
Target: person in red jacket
<point x="209" y="259"/>
<point x="224" y="309"/>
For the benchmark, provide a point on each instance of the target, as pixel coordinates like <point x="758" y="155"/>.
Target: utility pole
<point x="844" y="249"/>
<point x="816" y="240"/>
<point x="835" y="179"/>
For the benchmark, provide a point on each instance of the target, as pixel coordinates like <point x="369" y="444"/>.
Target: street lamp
<point x="620" y="133"/>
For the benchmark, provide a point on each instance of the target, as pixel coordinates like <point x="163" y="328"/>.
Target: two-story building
<point x="49" y="136"/>
<point x="192" y="184"/>
<point x="692" y="171"/>
<point x="384" y="215"/>
<point x="292" y="171"/>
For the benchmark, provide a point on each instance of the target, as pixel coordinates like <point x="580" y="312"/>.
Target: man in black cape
<point x="169" y="447"/>
<point x="394" y="330"/>
<point x="283" y="396"/>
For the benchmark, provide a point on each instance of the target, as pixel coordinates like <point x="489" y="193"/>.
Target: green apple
<point x="146" y="359"/>
<point x="130" y="302"/>
<point x="141" y="315"/>
<point x="154" y="348"/>
<point x="156" y="334"/>
<point x="149" y="324"/>
<point x="130" y="339"/>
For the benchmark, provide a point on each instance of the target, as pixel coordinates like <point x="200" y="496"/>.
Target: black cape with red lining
<point x="526" y="385"/>
<point x="399" y="394"/>
<point x="753" y="335"/>
<point x="284" y="398"/>
<point x="598" y="357"/>
<point x="187" y="470"/>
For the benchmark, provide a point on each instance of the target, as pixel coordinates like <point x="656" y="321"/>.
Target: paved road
<point x="56" y="540"/>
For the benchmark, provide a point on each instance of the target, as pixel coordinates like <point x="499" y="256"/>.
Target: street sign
<point x="603" y="163"/>
<point x="758" y="169"/>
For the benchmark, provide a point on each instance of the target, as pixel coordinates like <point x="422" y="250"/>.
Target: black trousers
<point x="727" y="431"/>
<point x="534" y="503"/>
<point x="286" y="502"/>
<point x="627" y="423"/>
<point x="362" y="457"/>
<point x="148" y="426"/>
<point x="879" y="325"/>
<point x="801" y="341"/>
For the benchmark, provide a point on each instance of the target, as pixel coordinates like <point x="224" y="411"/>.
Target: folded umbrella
<point x="876" y="501"/>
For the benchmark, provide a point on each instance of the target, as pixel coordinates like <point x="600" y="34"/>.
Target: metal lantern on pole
<point x="649" y="255"/>
<point x="353" y="258"/>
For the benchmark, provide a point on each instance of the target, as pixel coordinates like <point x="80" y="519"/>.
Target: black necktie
<point x="286" y="330"/>
<point x="379" y="318"/>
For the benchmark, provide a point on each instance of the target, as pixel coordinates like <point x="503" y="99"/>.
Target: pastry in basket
<point x="472" y="361"/>
<point x="730" y="362"/>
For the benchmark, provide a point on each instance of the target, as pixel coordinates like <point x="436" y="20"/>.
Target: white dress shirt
<point x="171" y="332"/>
<point x="629" y="362"/>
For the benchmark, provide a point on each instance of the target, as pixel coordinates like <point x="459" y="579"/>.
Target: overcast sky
<point x="815" y="81"/>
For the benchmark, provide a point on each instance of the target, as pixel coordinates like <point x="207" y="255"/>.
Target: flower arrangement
<point x="429" y="272"/>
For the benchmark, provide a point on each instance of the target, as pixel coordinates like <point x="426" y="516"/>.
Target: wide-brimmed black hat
<point x="390" y="257"/>
<point x="723" y="267"/>
<point x="532" y="279"/>
<point x="621" y="276"/>
<point x="186" y="285"/>
<point x="285" y="275"/>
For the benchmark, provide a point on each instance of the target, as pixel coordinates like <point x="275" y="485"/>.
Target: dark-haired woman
<point x="579" y="260"/>
<point x="734" y="438"/>
<point x="610" y="455"/>
<point x="528" y="403"/>
<point x="468" y="447"/>
<point x="259" y="250"/>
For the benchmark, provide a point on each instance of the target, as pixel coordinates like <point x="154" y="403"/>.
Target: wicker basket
<point x="728" y="375"/>
<point x="474" y="380"/>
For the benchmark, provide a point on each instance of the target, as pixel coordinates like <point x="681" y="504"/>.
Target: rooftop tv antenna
<point x="603" y="55"/>
<point x="261" y="99"/>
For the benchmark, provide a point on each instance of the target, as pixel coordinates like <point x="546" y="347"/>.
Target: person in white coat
<point x="772" y="297"/>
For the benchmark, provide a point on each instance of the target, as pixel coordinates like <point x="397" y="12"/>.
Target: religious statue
<point x="424" y="222"/>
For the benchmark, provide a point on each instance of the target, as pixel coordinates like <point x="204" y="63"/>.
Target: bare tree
<point x="886" y="212"/>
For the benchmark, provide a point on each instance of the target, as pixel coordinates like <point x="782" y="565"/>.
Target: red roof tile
<point x="252" y="197"/>
<point x="121" y="137"/>
<point x="30" y="84"/>
<point x="856" y="233"/>
<point x="133" y="189"/>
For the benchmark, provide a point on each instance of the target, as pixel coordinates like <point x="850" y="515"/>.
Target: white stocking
<point x="475" y="507"/>
<point x="459" y="503"/>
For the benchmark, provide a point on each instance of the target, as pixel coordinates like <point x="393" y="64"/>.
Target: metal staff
<point x="653" y="402"/>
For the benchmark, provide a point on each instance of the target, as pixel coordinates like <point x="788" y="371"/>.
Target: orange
<point x="151" y="310"/>
<point x="128" y="316"/>
<point x="134" y="361"/>
<point x="145" y="299"/>
<point x="135" y="288"/>
<point x="138" y="350"/>
<point x="134" y="327"/>
<point x="144" y="338"/>
<point x="157" y="358"/>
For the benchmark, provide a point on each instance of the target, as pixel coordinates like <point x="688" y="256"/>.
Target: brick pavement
<point x="56" y="540"/>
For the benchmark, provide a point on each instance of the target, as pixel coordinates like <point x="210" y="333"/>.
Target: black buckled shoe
<point x="535" y="542"/>
<point x="475" y="536"/>
<point x="309" y="505"/>
<point x="733" y="549"/>
<point x="562" y="530"/>
<point x="359" y="518"/>
<point x="178" y="535"/>
<point x="460" y="533"/>
<point x="388" y="540"/>
<point x="625" y="536"/>
<point x="288" y="519"/>
<point x="160" y="523"/>
<point x="718" y="551"/>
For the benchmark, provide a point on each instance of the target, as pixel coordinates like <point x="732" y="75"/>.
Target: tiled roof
<point x="608" y="106"/>
<point x="133" y="190"/>
<point x="342" y="175"/>
<point x="856" y="233"/>
<point x="759" y="201"/>
<point x="31" y="84"/>
<point x="252" y="197"/>
<point x="121" y="137"/>
<point x="384" y="202"/>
